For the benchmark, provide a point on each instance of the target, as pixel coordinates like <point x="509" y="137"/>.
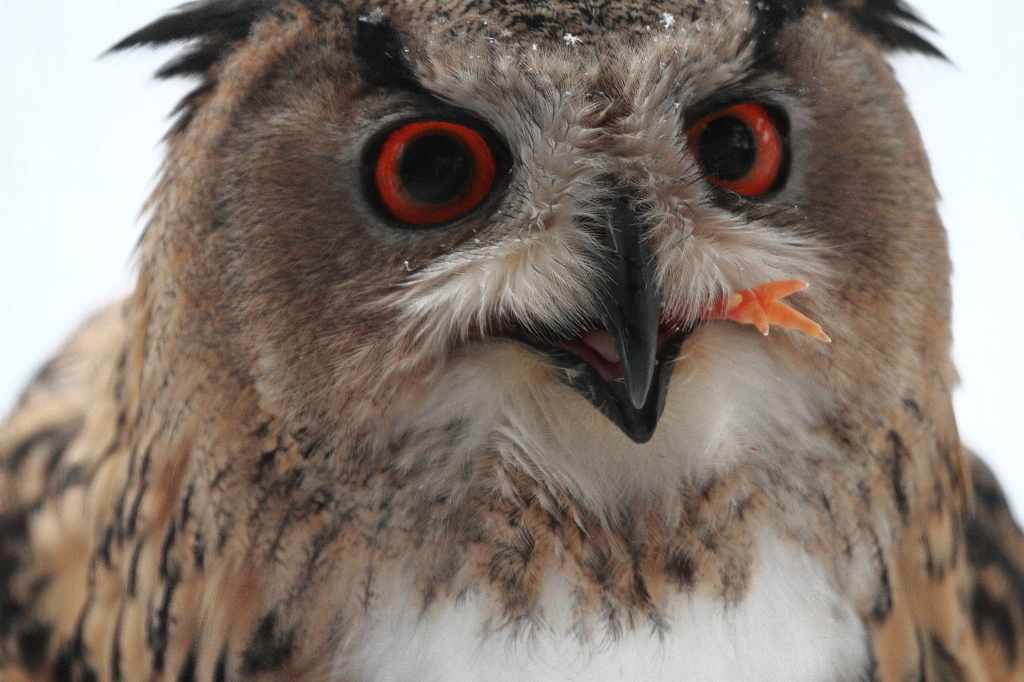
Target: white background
<point x="79" y="145"/>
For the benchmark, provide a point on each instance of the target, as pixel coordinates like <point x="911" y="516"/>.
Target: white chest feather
<point x="790" y="625"/>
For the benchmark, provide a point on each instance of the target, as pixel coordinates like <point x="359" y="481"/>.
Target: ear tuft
<point x="892" y="22"/>
<point x="213" y="28"/>
<point x="217" y="20"/>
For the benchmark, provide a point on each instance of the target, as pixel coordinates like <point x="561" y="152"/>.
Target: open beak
<point x="624" y="369"/>
<point x="631" y="304"/>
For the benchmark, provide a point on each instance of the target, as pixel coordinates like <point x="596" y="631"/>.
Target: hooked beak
<point x="617" y="368"/>
<point x="631" y="303"/>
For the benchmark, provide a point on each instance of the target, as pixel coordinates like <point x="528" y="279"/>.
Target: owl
<point x="533" y="340"/>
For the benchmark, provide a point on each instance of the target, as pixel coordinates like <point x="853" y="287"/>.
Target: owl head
<point x="427" y="231"/>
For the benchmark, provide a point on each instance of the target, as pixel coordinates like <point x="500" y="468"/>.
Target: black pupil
<point x="435" y="168"/>
<point x="727" y="148"/>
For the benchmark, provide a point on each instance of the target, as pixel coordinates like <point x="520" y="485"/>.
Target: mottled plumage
<point x="318" y="442"/>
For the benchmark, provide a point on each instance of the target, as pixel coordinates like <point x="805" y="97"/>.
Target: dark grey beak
<point x="631" y="303"/>
<point x="630" y="311"/>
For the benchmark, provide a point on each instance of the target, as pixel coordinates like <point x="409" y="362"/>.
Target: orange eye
<point x="432" y="171"/>
<point x="740" y="148"/>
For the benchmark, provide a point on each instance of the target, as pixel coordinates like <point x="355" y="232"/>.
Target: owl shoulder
<point x="995" y="594"/>
<point x="51" y="446"/>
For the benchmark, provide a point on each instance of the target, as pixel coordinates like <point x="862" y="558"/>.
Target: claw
<point x="760" y="307"/>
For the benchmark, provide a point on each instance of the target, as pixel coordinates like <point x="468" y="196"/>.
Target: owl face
<point x="494" y="229"/>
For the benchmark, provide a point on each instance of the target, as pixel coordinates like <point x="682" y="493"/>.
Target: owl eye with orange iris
<point x="430" y="172"/>
<point x="740" y="149"/>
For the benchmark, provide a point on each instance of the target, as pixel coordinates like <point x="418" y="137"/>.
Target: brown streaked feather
<point x="994" y="602"/>
<point x="64" y="426"/>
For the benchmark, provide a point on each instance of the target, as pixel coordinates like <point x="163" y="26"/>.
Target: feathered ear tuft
<point x="221" y="20"/>
<point x="212" y="27"/>
<point x="891" y="22"/>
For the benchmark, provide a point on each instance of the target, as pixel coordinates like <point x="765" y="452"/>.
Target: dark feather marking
<point x="143" y="481"/>
<point x="896" y="465"/>
<point x="870" y="672"/>
<point x="263" y="430"/>
<point x="307" y="449"/>
<point x="944" y="663"/>
<point x="119" y="514"/>
<point x="188" y="669"/>
<point x="199" y="549"/>
<point x="982" y="548"/>
<point x="443" y="575"/>
<point x="265" y="462"/>
<point x="883" y="604"/>
<point x="680" y="567"/>
<point x="613" y="620"/>
<point x="31" y="637"/>
<point x="69" y="477"/>
<point x="936" y="569"/>
<point x="366" y="598"/>
<point x="989" y="614"/>
<point x="159" y="624"/>
<point x="291" y="517"/>
<point x="991" y="496"/>
<point x="44" y="376"/>
<point x="218" y="480"/>
<point x="382" y="56"/>
<point x="599" y="564"/>
<point x="322" y="541"/>
<point x="185" y="110"/>
<point x="70" y="664"/>
<point x="769" y="20"/>
<point x="641" y="594"/>
<point x="268" y="649"/>
<point x="227" y="524"/>
<point x="165" y="551"/>
<point x="320" y="499"/>
<point x="63" y="666"/>
<point x="133" y="568"/>
<point x="186" y="504"/>
<point x="59" y="444"/>
<point x="115" y="648"/>
<point x="914" y="408"/>
<point x="509" y="565"/>
<point x="13" y="545"/>
<point x="33" y="641"/>
<point x="196" y="61"/>
<point x="220" y="669"/>
<point x="54" y="440"/>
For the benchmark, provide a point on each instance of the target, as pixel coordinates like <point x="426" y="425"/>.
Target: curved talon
<point x="760" y="307"/>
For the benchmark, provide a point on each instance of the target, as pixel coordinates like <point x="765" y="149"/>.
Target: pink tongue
<point x="601" y="341"/>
